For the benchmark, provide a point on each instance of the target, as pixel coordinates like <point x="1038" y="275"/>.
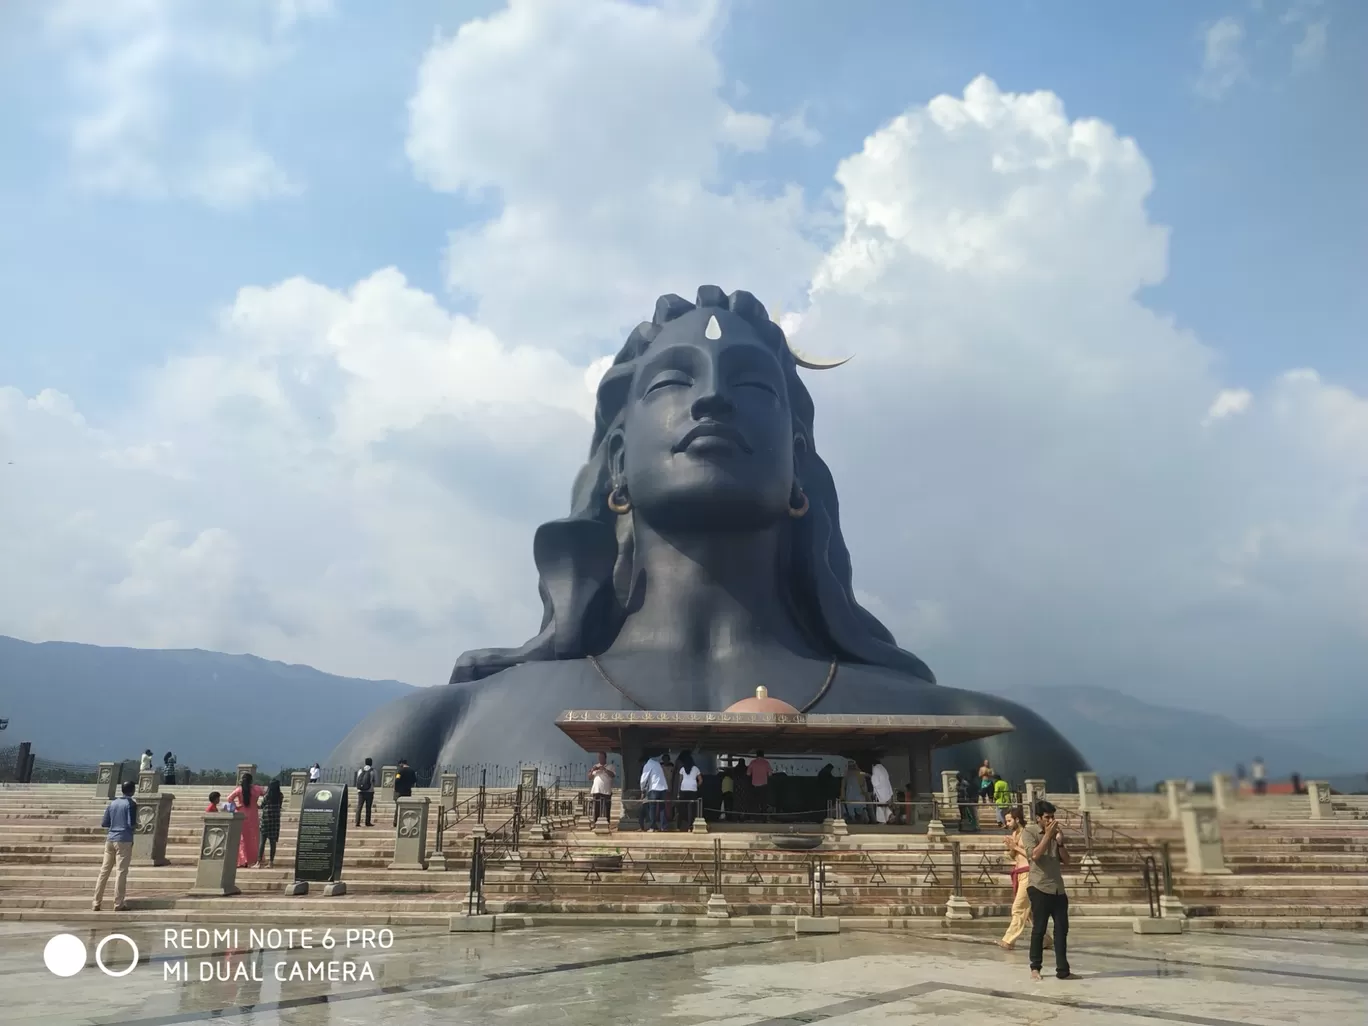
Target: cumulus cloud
<point x="155" y="93"/>
<point x="609" y="195"/>
<point x="1228" y="402"/>
<point x="351" y="477"/>
<point x="1224" y="64"/>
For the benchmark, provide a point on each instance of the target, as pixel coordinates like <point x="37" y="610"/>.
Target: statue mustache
<point x="714" y="429"/>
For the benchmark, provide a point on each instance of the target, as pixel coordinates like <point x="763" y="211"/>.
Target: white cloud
<point x="1309" y="50"/>
<point x="795" y="128"/>
<point x="351" y="477"/>
<point x="1228" y="402"/>
<point x="1223" y="60"/>
<point x="157" y="91"/>
<point x="600" y="127"/>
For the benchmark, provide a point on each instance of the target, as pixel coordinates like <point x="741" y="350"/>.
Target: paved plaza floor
<point x="689" y="977"/>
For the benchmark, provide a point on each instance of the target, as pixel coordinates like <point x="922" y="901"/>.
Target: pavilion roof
<point x="777" y="733"/>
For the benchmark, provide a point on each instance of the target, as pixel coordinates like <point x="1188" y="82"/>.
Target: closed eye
<point x="669" y="379"/>
<point x="764" y="386"/>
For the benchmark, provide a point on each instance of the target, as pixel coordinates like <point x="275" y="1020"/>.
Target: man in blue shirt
<point x="120" y="818"/>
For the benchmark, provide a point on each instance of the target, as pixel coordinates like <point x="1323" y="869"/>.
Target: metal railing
<point x="895" y="881"/>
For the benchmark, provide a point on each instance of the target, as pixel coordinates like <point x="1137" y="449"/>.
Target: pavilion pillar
<point x="633" y="758"/>
<point x="921" y="788"/>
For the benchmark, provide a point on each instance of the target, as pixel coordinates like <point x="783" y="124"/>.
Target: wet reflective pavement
<point x="685" y="976"/>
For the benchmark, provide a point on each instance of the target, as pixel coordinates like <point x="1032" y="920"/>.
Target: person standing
<point x="882" y="787"/>
<point x="365" y="791"/>
<point x="968" y="815"/>
<point x="759" y="773"/>
<point x="404" y="779"/>
<point x="315" y="771"/>
<point x="728" y="791"/>
<point x="1021" y="865"/>
<point x="1002" y="798"/>
<point x="854" y="795"/>
<point x="1048" y="854"/>
<point x="271" y="803"/>
<point x="120" y="817"/>
<point x="688" y="777"/>
<point x="145" y="762"/>
<point x="985" y="783"/>
<point x="670" y="784"/>
<point x="654" y="788"/>
<point x="244" y="799"/>
<point x="1257" y="773"/>
<point x="169" y="768"/>
<point x="601" y="789"/>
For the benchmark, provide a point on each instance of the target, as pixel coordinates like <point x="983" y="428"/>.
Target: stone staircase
<point x="1287" y="871"/>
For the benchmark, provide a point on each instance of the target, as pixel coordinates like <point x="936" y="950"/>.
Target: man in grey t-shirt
<point x="1048" y="854"/>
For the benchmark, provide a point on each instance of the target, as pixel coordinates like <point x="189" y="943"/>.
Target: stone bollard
<point x="387" y="775"/>
<point x="299" y="783"/>
<point x="529" y="779"/>
<point x="152" y="828"/>
<point x="1202" y="840"/>
<point x="107" y="780"/>
<point x="216" y="873"/>
<point x="410" y="834"/>
<point x="1176" y="791"/>
<point x="957" y="907"/>
<point x="448" y="789"/>
<point x="950" y="792"/>
<point x="1322" y="805"/>
<point x="245" y="767"/>
<point x="1035" y="792"/>
<point x="1223" y="790"/>
<point x="148" y="784"/>
<point x="1089" y="792"/>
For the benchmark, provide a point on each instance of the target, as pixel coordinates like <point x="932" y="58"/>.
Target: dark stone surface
<point x="708" y="586"/>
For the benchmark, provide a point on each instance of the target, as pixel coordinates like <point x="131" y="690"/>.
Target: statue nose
<point x="712" y="404"/>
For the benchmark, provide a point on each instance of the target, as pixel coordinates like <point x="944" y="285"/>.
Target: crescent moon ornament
<point x="810" y="362"/>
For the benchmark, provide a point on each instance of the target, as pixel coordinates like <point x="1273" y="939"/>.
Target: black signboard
<point x="322" y="833"/>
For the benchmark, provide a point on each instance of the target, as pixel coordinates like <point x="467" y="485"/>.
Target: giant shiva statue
<point x="702" y="556"/>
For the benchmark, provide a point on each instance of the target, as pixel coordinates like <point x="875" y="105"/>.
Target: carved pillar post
<point x="216" y="873"/>
<point x="1223" y="790"/>
<point x="153" y="826"/>
<point x="1089" y="792"/>
<point x="148" y="784"/>
<point x="950" y="793"/>
<point x="1202" y="840"/>
<point x="1176" y="793"/>
<point x="1322" y="807"/>
<point x="410" y="834"/>
<point x="107" y="780"/>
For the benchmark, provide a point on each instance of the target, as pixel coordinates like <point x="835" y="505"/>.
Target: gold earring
<point x="618" y="505"/>
<point x="799" y="511"/>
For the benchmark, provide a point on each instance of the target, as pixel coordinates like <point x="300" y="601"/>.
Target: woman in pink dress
<point x="244" y="798"/>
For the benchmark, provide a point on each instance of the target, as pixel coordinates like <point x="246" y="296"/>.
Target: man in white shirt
<point x="314" y="773"/>
<point x="655" y="787"/>
<point x="883" y="791"/>
<point x="1258" y="774"/>
<point x="601" y="788"/>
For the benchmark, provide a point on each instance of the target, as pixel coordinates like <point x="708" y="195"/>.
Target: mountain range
<point x="84" y="704"/>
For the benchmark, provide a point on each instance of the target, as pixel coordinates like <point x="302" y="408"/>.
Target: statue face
<point x="708" y="435"/>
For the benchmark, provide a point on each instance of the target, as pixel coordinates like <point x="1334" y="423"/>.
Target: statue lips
<point x="711" y="436"/>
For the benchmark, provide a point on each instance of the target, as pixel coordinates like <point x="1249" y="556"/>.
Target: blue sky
<point x="225" y="425"/>
<point x="1261" y="186"/>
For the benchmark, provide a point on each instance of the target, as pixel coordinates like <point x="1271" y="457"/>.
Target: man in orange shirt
<point x="759" y="773"/>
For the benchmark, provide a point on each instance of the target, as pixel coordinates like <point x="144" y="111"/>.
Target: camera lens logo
<point x="65" y="955"/>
